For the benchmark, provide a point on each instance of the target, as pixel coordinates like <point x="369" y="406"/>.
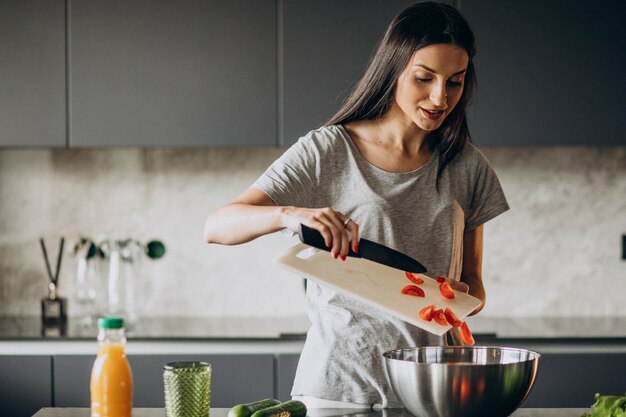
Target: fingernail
<point x="334" y="255"/>
<point x="356" y="248"/>
<point x="343" y="258"/>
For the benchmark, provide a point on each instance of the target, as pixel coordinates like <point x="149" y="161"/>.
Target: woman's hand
<point x="338" y="230"/>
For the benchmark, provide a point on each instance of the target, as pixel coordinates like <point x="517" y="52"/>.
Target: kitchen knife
<point x="368" y="250"/>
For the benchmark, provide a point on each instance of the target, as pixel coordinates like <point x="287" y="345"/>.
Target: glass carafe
<point x="125" y="259"/>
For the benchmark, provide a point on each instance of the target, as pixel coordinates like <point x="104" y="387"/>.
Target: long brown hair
<point x="417" y="26"/>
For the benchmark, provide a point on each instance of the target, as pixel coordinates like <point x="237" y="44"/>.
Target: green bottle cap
<point x="110" y="323"/>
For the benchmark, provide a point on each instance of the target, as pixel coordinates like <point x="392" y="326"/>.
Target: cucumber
<point x="246" y="410"/>
<point x="292" y="408"/>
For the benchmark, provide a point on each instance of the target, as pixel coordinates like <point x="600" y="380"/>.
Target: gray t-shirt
<point x="342" y="355"/>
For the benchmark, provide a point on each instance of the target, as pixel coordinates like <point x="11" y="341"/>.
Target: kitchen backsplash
<point x="555" y="253"/>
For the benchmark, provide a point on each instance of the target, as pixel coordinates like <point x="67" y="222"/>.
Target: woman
<point x="394" y="165"/>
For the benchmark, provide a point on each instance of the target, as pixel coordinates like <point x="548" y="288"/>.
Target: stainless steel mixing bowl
<point x="461" y="381"/>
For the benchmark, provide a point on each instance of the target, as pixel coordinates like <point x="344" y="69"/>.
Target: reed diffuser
<point x="53" y="307"/>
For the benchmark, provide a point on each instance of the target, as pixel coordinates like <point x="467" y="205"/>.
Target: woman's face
<point x="432" y="84"/>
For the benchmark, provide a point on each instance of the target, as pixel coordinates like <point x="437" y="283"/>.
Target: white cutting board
<point x="375" y="284"/>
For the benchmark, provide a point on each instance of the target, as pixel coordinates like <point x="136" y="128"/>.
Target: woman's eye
<point x="422" y="80"/>
<point x="455" y="83"/>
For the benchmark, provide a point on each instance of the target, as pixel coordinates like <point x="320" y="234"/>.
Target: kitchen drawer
<point x="287" y="364"/>
<point x="235" y="378"/>
<point x="25" y="385"/>
<point x="572" y="379"/>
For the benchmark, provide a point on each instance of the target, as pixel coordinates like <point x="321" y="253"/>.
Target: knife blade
<point x="367" y="250"/>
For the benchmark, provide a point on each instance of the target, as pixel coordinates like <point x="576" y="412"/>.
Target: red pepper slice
<point x="427" y="312"/>
<point x="440" y="279"/>
<point x="466" y="335"/>
<point x="440" y="317"/>
<point x="452" y="318"/>
<point x="446" y="290"/>
<point x="413" y="290"/>
<point x="414" y="278"/>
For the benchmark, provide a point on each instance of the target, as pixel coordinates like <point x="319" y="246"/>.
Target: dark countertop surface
<point x="222" y="412"/>
<point x="163" y="328"/>
<point x="485" y="329"/>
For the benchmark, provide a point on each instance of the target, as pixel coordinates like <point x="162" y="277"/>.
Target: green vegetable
<point x="246" y="410"/>
<point x="292" y="408"/>
<point x="608" y="406"/>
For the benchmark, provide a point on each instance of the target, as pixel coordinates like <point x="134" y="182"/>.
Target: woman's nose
<point x="438" y="95"/>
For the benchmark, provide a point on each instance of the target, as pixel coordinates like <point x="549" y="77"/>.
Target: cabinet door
<point x="71" y="380"/>
<point x="326" y="47"/>
<point x="287" y="365"/>
<point x="549" y="72"/>
<point x="571" y="380"/>
<point x="25" y="385"/>
<point x="234" y="378"/>
<point x="172" y="73"/>
<point x="32" y="73"/>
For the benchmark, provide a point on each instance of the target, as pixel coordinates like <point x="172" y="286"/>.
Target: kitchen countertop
<point x="486" y="329"/>
<point x="222" y="412"/>
<point x="164" y="328"/>
<point x="258" y="335"/>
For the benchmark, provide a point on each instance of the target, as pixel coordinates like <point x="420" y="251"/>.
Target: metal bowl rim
<point x="387" y="355"/>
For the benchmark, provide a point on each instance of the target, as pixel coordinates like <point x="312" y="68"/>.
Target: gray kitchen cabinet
<point x="32" y="73"/>
<point x="71" y="380"/>
<point x="234" y="379"/>
<point x="25" y="384"/>
<point x="549" y="72"/>
<point x="287" y="363"/>
<point x="326" y="46"/>
<point x="172" y="73"/>
<point x="572" y="379"/>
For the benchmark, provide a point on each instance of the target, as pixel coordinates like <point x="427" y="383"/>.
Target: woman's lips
<point x="432" y="114"/>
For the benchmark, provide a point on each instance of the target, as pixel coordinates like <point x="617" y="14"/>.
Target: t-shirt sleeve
<point x="487" y="199"/>
<point x="290" y="180"/>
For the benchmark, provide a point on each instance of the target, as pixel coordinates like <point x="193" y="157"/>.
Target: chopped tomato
<point x="413" y="290"/>
<point x="427" y="312"/>
<point x="440" y="317"/>
<point x="452" y="318"/>
<point x="414" y="278"/>
<point x="440" y="279"/>
<point x="466" y="335"/>
<point x="446" y="290"/>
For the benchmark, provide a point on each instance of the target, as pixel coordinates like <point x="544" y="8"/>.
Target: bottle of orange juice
<point x="111" y="377"/>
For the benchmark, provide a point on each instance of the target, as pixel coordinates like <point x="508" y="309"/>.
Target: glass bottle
<point x="111" y="384"/>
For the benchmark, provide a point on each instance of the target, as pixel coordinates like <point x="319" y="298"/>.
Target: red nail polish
<point x="334" y="255"/>
<point x="356" y="248"/>
<point x="343" y="258"/>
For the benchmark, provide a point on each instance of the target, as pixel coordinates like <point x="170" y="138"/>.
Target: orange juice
<point x="111" y="383"/>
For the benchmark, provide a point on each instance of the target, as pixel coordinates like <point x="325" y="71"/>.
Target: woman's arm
<point x="471" y="272"/>
<point x="251" y="215"/>
<point x="254" y="214"/>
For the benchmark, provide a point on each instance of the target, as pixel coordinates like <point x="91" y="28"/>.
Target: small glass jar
<point x="187" y="389"/>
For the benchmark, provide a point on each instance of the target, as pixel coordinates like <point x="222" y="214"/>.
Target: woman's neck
<point x="402" y="136"/>
<point x="390" y="145"/>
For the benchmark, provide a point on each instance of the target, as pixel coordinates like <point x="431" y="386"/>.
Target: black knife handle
<point x="314" y="238"/>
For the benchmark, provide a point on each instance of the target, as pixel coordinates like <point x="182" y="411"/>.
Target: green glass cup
<point x="187" y="389"/>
